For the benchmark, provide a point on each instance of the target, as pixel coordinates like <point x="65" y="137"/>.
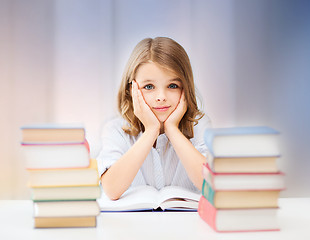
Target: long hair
<point x="171" y="56"/>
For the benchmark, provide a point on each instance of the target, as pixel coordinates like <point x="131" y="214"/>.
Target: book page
<point x="179" y="204"/>
<point x="177" y="197"/>
<point x="147" y="198"/>
<point x="137" y="199"/>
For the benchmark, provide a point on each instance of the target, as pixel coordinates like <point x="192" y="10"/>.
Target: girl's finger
<point x="135" y="100"/>
<point x="182" y="96"/>
<point x="139" y="96"/>
<point x="184" y="100"/>
<point x="140" y="99"/>
<point x="182" y="103"/>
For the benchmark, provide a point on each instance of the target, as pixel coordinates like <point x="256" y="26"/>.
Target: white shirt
<point x="161" y="167"/>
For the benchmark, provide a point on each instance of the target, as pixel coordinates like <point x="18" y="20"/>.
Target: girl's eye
<point x="149" y="87"/>
<point x="173" y="86"/>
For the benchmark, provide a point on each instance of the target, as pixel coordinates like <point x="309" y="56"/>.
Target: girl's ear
<point x="130" y="86"/>
<point x="128" y="89"/>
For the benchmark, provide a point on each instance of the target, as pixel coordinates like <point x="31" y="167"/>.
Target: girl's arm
<point x="190" y="157"/>
<point x="116" y="180"/>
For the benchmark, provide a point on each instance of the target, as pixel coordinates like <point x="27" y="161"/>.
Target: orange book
<point x="64" y="222"/>
<point x="243" y="164"/>
<point x="53" y="133"/>
<point x="65" y="177"/>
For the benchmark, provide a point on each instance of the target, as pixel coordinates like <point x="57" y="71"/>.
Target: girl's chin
<point x="162" y="119"/>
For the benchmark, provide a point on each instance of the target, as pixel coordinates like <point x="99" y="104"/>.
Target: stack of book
<point x="242" y="181"/>
<point x="63" y="180"/>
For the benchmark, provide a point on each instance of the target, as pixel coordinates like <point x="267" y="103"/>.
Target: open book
<point x="148" y="198"/>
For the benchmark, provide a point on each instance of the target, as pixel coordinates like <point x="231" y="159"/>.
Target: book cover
<point x="242" y="141"/>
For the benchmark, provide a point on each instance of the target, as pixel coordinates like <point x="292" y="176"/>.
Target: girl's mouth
<point x="161" y="109"/>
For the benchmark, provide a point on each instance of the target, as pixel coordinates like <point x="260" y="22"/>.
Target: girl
<point x="155" y="142"/>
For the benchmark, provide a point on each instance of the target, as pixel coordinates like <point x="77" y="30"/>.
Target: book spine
<point x="85" y="143"/>
<point x="208" y="192"/>
<point x="207" y="172"/>
<point x="207" y="212"/>
<point x="208" y="175"/>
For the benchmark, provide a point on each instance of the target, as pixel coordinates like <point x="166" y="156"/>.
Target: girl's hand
<point x="142" y="111"/>
<point x="175" y="117"/>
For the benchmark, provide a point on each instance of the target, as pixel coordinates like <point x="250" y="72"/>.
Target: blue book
<point x="242" y="141"/>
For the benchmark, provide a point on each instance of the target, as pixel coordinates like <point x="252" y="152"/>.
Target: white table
<point x="16" y="222"/>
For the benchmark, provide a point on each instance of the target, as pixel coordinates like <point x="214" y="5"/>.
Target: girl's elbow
<point x="111" y="192"/>
<point x="112" y="195"/>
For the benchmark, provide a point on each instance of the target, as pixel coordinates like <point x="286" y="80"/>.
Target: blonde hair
<point x="171" y="56"/>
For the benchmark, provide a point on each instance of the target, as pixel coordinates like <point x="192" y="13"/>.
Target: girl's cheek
<point x="176" y="95"/>
<point x="147" y="96"/>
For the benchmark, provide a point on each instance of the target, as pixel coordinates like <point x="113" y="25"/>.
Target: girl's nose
<point x="161" y="97"/>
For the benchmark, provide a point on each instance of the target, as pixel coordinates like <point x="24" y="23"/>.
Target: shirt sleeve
<point x="114" y="144"/>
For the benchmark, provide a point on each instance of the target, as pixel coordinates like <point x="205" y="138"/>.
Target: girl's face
<point x="160" y="88"/>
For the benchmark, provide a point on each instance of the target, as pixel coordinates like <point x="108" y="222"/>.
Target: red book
<point x="238" y="220"/>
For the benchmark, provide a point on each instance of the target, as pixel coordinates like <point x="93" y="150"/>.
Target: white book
<point x="148" y="198"/>
<point x="238" y="220"/>
<point x="242" y="141"/>
<point x="53" y="156"/>
<point x="247" y="219"/>
<point x="243" y="181"/>
<point x="66" y="209"/>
